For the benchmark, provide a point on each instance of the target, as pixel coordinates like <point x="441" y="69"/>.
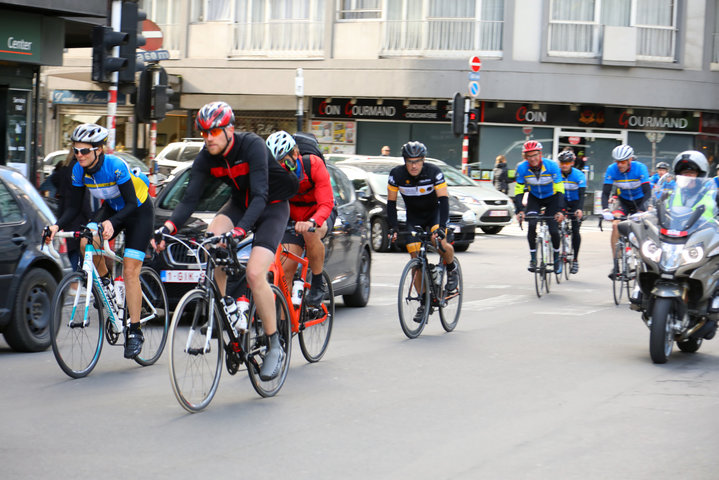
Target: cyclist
<point x="575" y="184"/>
<point x="662" y="168"/>
<point x="260" y="190"/>
<point x="311" y="207"/>
<point x="425" y="195"/>
<point x="543" y="178"/>
<point x="631" y="180"/>
<point x="127" y="206"/>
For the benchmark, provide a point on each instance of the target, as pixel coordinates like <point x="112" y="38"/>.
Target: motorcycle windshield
<point x="684" y="204"/>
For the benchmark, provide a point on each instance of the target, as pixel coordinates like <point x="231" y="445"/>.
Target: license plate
<point x="455" y="228"/>
<point x="180" y="276"/>
<point x="498" y="213"/>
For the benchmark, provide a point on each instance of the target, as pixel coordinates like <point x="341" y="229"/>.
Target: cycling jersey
<point x="253" y="176"/>
<point x="314" y="198"/>
<point x="629" y="184"/>
<point x="105" y="182"/>
<point x="573" y="182"/>
<point x="419" y="193"/>
<point x="541" y="184"/>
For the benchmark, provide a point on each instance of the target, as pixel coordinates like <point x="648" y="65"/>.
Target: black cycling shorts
<point x="422" y="220"/>
<point x="296" y="239"/>
<point x="629" y="207"/>
<point x="270" y="226"/>
<point x="138" y="227"/>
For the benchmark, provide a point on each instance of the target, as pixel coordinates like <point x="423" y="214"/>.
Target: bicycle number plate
<point x="498" y="213"/>
<point x="180" y="276"/>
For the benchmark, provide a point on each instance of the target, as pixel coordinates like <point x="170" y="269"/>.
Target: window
<point x="715" y="37"/>
<point x="9" y="209"/>
<point x="438" y="27"/>
<point x="166" y="14"/>
<point x="359" y="9"/>
<point x="575" y="26"/>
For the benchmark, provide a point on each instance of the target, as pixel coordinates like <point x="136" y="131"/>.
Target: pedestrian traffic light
<point x="104" y="63"/>
<point x="131" y="24"/>
<point x="473" y="122"/>
<point x="458" y="115"/>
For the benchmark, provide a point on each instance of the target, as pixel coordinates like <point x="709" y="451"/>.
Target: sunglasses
<point x="84" y="151"/>
<point x="414" y="162"/>
<point x="211" y="133"/>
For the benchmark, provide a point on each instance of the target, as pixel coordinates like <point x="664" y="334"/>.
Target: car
<point x="347" y="252"/>
<point x="369" y="176"/>
<point x="28" y="275"/>
<point x="177" y="156"/>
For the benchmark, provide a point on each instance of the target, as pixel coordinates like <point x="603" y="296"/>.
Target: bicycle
<point x="419" y="276"/>
<point x="545" y="255"/>
<point x="76" y="332"/>
<point x="194" y="365"/>
<point x="625" y="269"/>
<point x="566" y="250"/>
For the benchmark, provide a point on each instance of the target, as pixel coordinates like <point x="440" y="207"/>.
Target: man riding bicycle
<point x="260" y="190"/>
<point x="311" y="207"/>
<point x="575" y="184"/>
<point x="630" y="180"/>
<point x="127" y="206"/>
<point x="425" y="195"/>
<point x="543" y="179"/>
<point x="662" y="168"/>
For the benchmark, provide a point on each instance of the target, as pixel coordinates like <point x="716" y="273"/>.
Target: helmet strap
<point x="230" y="142"/>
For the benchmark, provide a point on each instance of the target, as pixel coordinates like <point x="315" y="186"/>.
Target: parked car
<point x="369" y="176"/>
<point x="28" y="276"/>
<point x="177" y="156"/>
<point x="347" y="255"/>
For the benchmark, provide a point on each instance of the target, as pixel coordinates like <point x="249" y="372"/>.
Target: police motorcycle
<point x="678" y="245"/>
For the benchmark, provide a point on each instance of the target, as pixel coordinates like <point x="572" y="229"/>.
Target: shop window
<point x="359" y="9"/>
<point x="508" y="141"/>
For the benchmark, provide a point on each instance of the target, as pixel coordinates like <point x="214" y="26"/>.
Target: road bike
<point x="566" y="250"/>
<point x="202" y="337"/>
<point x="624" y="270"/>
<point x="419" y="277"/>
<point x="84" y="311"/>
<point x="545" y="255"/>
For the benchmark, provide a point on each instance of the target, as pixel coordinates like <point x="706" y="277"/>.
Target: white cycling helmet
<point x="89" y="133"/>
<point x="691" y="160"/>
<point x="280" y="144"/>
<point x="622" y="152"/>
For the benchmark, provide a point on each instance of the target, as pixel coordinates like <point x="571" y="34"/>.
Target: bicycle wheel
<point x="630" y="270"/>
<point x="256" y="345"/>
<point x="154" y="323"/>
<point x="195" y="359"/>
<point x="539" y="270"/>
<point x="617" y="281"/>
<point x="567" y="254"/>
<point x="547" y="258"/>
<point x="315" y="338"/>
<point x="76" y="333"/>
<point x="451" y="306"/>
<point x="413" y="306"/>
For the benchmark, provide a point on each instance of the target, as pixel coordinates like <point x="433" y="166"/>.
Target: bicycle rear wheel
<point x="619" y="264"/>
<point x="412" y="304"/>
<point x="196" y="354"/>
<point x="451" y="305"/>
<point x="256" y="343"/>
<point x="154" y="325"/>
<point x="315" y="338"/>
<point x="76" y="334"/>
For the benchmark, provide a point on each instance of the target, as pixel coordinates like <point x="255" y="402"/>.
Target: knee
<point x="255" y="277"/>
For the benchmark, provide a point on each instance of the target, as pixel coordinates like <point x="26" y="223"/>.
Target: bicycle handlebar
<point x="85" y="232"/>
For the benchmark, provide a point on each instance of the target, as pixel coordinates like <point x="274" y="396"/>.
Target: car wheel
<point x="380" y="242"/>
<point x="28" y="331"/>
<point x="491" y="230"/>
<point x="462" y="247"/>
<point x="360" y="296"/>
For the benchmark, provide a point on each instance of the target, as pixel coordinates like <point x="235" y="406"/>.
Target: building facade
<point x="583" y="74"/>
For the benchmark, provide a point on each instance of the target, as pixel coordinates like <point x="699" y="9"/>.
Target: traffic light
<point x="153" y="95"/>
<point x="473" y="122"/>
<point x="131" y="24"/>
<point x="104" y="39"/>
<point x="458" y="115"/>
<point x="143" y="103"/>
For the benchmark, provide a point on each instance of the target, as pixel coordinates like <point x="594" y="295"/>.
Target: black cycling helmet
<point x="691" y="160"/>
<point x="566" y="156"/>
<point x="414" y="150"/>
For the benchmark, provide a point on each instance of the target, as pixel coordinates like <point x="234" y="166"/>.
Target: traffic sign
<point x="527" y="130"/>
<point x="474" y="89"/>
<point x="152" y="34"/>
<point x="574" y="140"/>
<point x="473" y="76"/>
<point x="475" y="63"/>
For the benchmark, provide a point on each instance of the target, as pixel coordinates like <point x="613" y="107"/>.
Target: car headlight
<point x="401" y="215"/>
<point x="469" y="217"/>
<point x="692" y="254"/>
<point x="652" y="251"/>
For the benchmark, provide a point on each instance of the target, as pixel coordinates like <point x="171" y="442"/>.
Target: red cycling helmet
<point x="531" y="146"/>
<point x="214" y="115"/>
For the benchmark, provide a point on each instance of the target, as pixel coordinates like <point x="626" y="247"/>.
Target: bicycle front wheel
<point x="451" y="305"/>
<point x="539" y="270"/>
<point x="316" y="326"/>
<point x="256" y="345"/>
<point x="618" y="277"/>
<point x="413" y="299"/>
<point x="567" y="254"/>
<point x="76" y="331"/>
<point x="196" y="351"/>
<point x="154" y="317"/>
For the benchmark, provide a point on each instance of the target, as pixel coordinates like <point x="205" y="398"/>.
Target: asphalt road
<point x="560" y="387"/>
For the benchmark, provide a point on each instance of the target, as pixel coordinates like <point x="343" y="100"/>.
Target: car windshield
<point x="212" y="199"/>
<point x="455" y="178"/>
<point x="377" y="175"/>
<point x="27" y="189"/>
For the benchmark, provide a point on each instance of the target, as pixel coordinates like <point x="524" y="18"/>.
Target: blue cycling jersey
<point x="572" y="183"/>
<point x="103" y="184"/>
<point x="543" y="184"/>
<point x="629" y="183"/>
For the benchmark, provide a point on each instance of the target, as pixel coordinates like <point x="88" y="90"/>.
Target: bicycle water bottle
<point x="243" y="313"/>
<point x="230" y="307"/>
<point x="437" y="275"/>
<point x="120" y="296"/>
<point x="108" y="288"/>
<point x="298" y="289"/>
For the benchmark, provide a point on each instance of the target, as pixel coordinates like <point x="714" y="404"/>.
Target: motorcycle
<point x="678" y="276"/>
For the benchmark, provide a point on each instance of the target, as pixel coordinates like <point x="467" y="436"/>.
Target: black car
<point x="370" y="180"/>
<point x="28" y="276"/>
<point x="347" y="251"/>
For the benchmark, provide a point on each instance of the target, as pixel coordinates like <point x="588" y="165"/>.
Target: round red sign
<point x="527" y="130"/>
<point x="152" y="34"/>
<point x="475" y="64"/>
<point x="574" y="140"/>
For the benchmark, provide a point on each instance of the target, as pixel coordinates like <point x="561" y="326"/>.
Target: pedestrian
<point x="385" y="151"/>
<point x="499" y="176"/>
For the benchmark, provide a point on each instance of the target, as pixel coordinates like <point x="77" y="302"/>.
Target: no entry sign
<point x="152" y="34"/>
<point x="475" y="64"/>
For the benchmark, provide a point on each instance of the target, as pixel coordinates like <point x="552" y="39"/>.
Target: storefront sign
<point x="21" y="38"/>
<point x="379" y="109"/>
<point x="84" y="97"/>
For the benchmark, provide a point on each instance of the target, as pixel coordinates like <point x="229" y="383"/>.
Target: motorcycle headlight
<point x="402" y="215"/>
<point x="692" y="254"/>
<point x="652" y="251"/>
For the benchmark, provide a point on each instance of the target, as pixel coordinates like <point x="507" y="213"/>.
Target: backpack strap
<point x="307" y="167"/>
